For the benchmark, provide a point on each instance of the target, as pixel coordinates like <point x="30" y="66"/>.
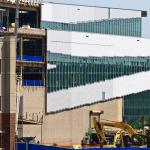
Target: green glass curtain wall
<point x="137" y="106"/>
<point x="127" y="27"/>
<point x="70" y="71"/>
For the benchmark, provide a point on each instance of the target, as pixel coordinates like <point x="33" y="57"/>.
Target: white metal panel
<point x="50" y="66"/>
<point x="91" y="93"/>
<point x="46" y="12"/>
<point x="90" y="44"/>
<point x="131" y="84"/>
<point x="118" y="13"/>
<point x="101" y="13"/>
<point x="71" y="13"/>
<point x="55" y="43"/>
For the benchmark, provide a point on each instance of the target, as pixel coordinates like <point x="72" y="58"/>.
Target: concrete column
<point x="8" y="92"/>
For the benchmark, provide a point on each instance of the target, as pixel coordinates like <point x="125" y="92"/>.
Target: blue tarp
<point x="32" y="58"/>
<point x="37" y="147"/>
<point x="18" y="57"/>
<point x="32" y="83"/>
<point x="116" y="149"/>
<point x="41" y="147"/>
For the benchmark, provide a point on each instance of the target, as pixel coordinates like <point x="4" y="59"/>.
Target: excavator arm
<point x="101" y="136"/>
<point x="100" y="133"/>
<point x="120" y="125"/>
<point x="137" y="139"/>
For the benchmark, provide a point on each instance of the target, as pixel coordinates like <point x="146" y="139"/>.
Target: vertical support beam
<point x="7" y="19"/>
<point x="123" y="118"/>
<point x="43" y="49"/>
<point x="9" y="92"/>
<point x="21" y="56"/>
<point x="37" y="19"/>
<point x="44" y="59"/>
<point x="17" y="19"/>
<point x="21" y="47"/>
<point x="43" y="76"/>
<point x="108" y="13"/>
<point x="21" y="73"/>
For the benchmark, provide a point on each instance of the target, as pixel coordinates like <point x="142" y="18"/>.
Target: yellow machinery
<point x="136" y="139"/>
<point x="118" y="138"/>
<point x="92" y="140"/>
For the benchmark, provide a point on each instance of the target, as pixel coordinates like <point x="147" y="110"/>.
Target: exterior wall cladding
<point x="94" y="55"/>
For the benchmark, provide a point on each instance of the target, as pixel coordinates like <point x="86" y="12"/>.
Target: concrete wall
<point x="33" y="99"/>
<point x="33" y="109"/>
<point x="69" y="127"/>
<point x="30" y="130"/>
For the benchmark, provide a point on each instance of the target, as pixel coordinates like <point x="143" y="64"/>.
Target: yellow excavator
<point x="135" y="139"/>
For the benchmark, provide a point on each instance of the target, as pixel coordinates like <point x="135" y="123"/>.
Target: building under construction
<point x="69" y="60"/>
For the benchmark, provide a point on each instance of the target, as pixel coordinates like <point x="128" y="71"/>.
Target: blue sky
<point x="131" y="4"/>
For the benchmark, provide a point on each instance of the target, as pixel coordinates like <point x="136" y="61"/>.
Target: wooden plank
<point x="31" y="32"/>
<point x="24" y="6"/>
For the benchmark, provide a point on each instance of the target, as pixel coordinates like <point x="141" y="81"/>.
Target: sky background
<point x="129" y="4"/>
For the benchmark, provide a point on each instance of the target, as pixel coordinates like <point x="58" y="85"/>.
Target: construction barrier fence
<point x="21" y="146"/>
<point x="24" y="146"/>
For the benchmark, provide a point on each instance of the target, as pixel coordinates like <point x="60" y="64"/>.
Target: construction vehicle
<point x="118" y="137"/>
<point x="90" y="137"/>
<point x="122" y="136"/>
<point x="135" y="139"/>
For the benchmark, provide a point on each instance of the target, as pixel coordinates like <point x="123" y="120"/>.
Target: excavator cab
<point x="96" y="114"/>
<point x="90" y="137"/>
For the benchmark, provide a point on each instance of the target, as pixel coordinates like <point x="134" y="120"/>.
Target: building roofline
<point x="94" y="6"/>
<point x="22" y="6"/>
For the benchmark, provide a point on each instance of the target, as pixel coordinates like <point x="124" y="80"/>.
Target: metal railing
<point x="34" y="117"/>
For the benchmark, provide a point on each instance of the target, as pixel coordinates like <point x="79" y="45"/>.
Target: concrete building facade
<point x="29" y="57"/>
<point x="74" y="60"/>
